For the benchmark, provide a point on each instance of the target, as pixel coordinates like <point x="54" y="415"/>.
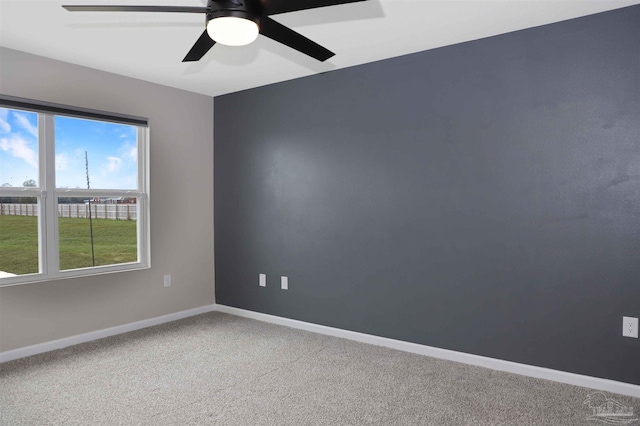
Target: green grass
<point x="18" y="244"/>
<point x="114" y="242"/>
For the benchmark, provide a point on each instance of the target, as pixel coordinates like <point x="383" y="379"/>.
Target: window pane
<point x="18" y="236"/>
<point x="96" y="232"/>
<point x="18" y="148"/>
<point x="109" y="150"/>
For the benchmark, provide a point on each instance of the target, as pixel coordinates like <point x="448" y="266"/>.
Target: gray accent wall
<point x="482" y="197"/>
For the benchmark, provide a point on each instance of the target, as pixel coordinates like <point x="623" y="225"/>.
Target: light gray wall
<point x="181" y="157"/>
<point x="483" y="197"/>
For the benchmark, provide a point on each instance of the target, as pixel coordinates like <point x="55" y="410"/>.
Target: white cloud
<point x="19" y="148"/>
<point x="133" y="153"/>
<point x="5" y="127"/>
<point x="114" y="164"/>
<point x="23" y="122"/>
<point x="129" y="151"/>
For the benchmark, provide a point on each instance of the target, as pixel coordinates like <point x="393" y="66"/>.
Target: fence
<point x="98" y="211"/>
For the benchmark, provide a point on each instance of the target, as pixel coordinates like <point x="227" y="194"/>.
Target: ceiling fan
<point x="237" y="23"/>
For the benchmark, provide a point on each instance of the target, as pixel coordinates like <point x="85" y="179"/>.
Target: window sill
<point x="73" y="273"/>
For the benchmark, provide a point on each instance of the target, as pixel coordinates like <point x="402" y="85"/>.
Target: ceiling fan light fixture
<point x="233" y="30"/>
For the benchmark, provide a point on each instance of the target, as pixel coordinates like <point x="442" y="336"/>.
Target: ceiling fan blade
<point x="199" y="49"/>
<point x="108" y="8"/>
<point x="273" y="7"/>
<point x="280" y="33"/>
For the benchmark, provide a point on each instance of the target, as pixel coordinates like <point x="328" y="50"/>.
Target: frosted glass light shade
<point x="232" y="31"/>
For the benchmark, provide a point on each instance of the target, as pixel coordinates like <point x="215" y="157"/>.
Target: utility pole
<point x="86" y="162"/>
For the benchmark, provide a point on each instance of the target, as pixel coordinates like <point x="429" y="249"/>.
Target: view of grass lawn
<point x="114" y="242"/>
<point x="19" y="244"/>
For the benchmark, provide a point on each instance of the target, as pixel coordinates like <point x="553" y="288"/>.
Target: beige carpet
<point x="225" y="370"/>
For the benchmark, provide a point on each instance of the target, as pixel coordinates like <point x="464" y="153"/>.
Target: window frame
<point x="47" y="194"/>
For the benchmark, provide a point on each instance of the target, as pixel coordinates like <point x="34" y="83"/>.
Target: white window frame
<point x="47" y="195"/>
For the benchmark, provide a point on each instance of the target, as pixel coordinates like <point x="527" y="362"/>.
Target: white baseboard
<point x="99" y="334"/>
<point x="493" y="363"/>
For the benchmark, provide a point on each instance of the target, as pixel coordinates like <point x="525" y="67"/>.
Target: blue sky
<point x="112" y="151"/>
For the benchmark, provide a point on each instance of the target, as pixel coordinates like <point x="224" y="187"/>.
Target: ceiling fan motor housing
<point x="247" y="9"/>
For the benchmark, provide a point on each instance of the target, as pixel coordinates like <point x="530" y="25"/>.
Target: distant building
<point x="118" y="200"/>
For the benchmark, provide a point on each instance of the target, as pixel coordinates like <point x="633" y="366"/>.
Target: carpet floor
<point x="225" y="370"/>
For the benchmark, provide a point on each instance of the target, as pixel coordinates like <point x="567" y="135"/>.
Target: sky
<point x="111" y="148"/>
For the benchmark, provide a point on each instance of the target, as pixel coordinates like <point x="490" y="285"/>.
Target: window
<point x="73" y="192"/>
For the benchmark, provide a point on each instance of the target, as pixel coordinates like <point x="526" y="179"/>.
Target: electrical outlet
<point x="630" y="327"/>
<point x="167" y="280"/>
<point x="284" y="283"/>
<point x="263" y="280"/>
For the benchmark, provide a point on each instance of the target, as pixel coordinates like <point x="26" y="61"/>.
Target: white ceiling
<point x="150" y="46"/>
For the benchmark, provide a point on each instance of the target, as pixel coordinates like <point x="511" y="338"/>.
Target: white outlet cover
<point x="630" y="327"/>
<point x="263" y="280"/>
<point x="284" y="283"/>
<point x="167" y="280"/>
